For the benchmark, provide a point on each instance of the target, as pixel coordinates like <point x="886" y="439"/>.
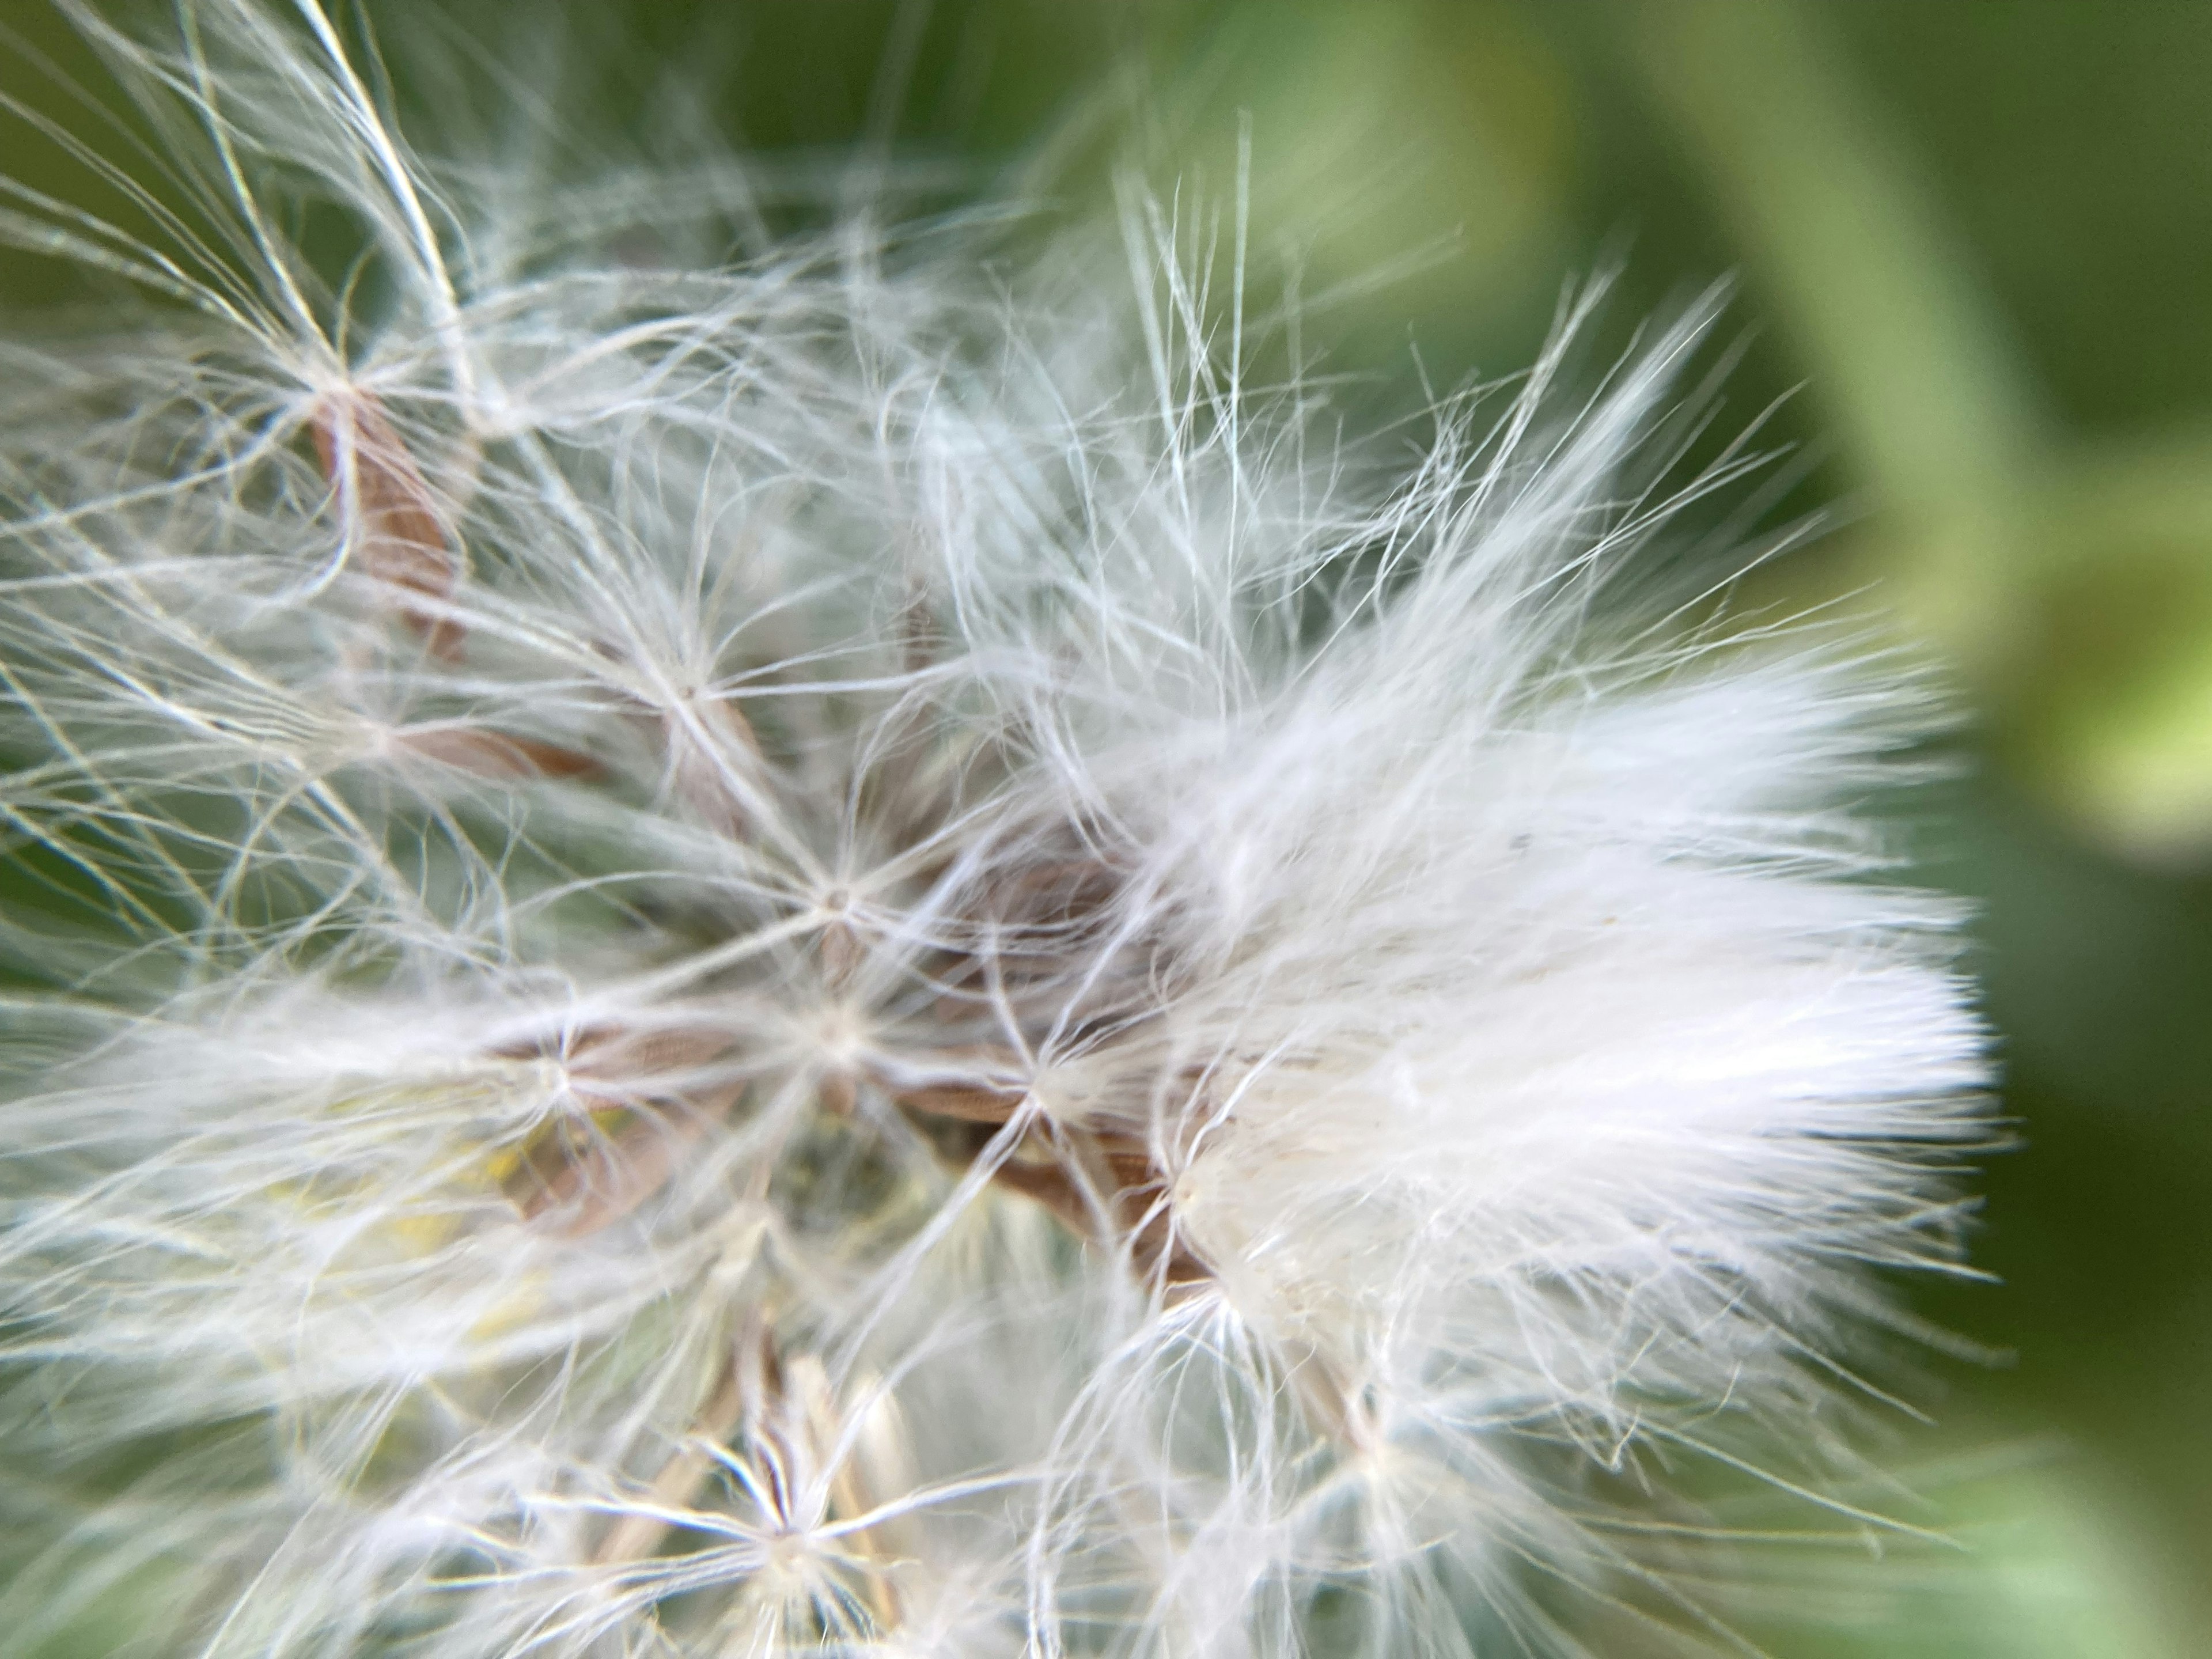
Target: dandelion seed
<point x="799" y="958"/>
<point x="388" y="508"/>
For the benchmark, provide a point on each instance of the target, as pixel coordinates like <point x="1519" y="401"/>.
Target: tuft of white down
<point x="857" y="953"/>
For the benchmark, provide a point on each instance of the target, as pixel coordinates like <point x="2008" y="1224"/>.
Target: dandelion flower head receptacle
<point x="851" y="948"/>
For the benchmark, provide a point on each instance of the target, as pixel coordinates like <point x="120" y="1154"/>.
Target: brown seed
<point x="402" y="538"/>
<point x="494" y="754"/>
<point x="595" y="1181"/>
<point x="971" y="1103"/>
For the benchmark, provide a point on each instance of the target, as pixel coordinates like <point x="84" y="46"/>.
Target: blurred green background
<point x="1974" y="242"/>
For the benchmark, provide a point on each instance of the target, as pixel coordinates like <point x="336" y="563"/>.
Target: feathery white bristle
<point x="818" y="957"/>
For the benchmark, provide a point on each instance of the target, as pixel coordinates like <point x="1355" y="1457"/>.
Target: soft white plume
<point x="843" y="953"/>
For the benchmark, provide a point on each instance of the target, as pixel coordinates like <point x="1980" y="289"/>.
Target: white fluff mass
<point x="850" y="949"/>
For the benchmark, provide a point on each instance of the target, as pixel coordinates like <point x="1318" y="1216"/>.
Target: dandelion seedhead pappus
<point x="853" y="948"/>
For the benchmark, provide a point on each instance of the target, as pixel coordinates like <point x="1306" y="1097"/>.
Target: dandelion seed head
<point x="860" y="950"/>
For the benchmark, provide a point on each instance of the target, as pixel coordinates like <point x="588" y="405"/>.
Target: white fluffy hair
<point x="852" y="953"/>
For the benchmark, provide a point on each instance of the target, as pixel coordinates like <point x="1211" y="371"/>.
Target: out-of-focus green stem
<point x="1843" y="239"/>
<point x="2072" y="588"/>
